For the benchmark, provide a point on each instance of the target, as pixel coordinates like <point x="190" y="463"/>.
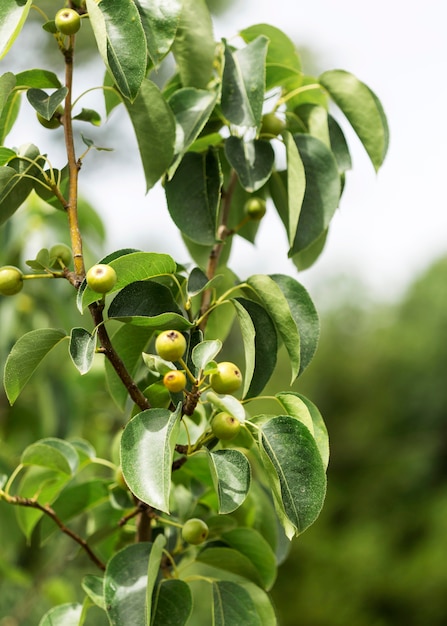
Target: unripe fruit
<point x="225" y="426"/>
<point x="271" y="125"/>
<point x="101" y="278"/>
<point x="255" y="208"/>
<point x="11" y="280"/>
<point x="62" y="252"/>
<point x="67" y="21"/>
<point x="227" y="379"/>
<point x="54" y="121"/>
<point x="170" y="345"/>
<point x="174" y="381"/>
<point x="195" y="531"/>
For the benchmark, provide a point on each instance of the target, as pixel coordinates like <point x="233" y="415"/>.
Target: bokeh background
<point x="377" y="554"/>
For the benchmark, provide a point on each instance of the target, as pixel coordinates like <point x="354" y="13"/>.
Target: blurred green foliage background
<point x="376" y="555"/>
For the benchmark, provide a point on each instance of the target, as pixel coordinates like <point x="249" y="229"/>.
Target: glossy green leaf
<point x="227" y="559"/>
<point x="204" y="352"/>
<point x="38" y="78"/>
<point x="129" y="341"/>
<point x="16" y="180"/>
<point x="363" y="110"/>
<point x="277" y="306"/>
<point x="92" y="117"/>
<point x="82" y="349"/>
<point x="154" y="126"/>
<point x="305" y="315"/>
<point x="296" y="186"/>
<point x="147" y="452"/>
<point x="13" y="14"/>
<point x="231" y="475"/>
<point x="172" y="603"/>
<point x="9" y="114"/>
<point x="227" y="403"/>
<point x="248" y="333"/>
<point x="56" y="454"/>
<point x="25" y="356"/>
<point x="320" y="430"/>
<point x="45" y="104"/>
<point x="314" y="118"/>
<point x="130" y="266"/>
<point x="232" y="605"/>
<point x="193" y="196"/>
<point x="198" y="281"/>
<point x="160" y="21"/>
<point x="322" y="192"/>
<point x="281" y="50"/>
<point x="252" y="544"/>
<point x="153" y="571"/>
<point x="252" y="160"/>
<point x="264" y="344"/>
<point x="191" y="108"/>
<point x="194" y="44"/>
<point x="295" y="470"/>
<point x="7" y="84"/>
<point x="125" y="582"/>
<point x="243" y="83"/>
<point x="339" y="145"/>
<point x="94" y="588"/>
<point x="295" y="407"/>
<point x="63" y="615"/>
<point x="121" y="42"/>
<point x="148" y="303"/>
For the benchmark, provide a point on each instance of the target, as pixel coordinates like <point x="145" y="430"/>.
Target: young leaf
<point x="277" y="306"/>
<point x="12" y="17"/>
<point x="121" y="42"/>
<point x="125" y="582"/>
<point x="82" y="349"/>
<point x="194" y="44"/>
<point x="252" y="160"/>
<point x="231" y="474"/>
<point x="227" y="403"/>
<point x="56" y="454"/>
<point x="295" y="470"/>
<point x="305" y="315"/>
<point x="147" y="452"/>
<point x="232" y="605"/>
<point x="172" y="603"/>
<point x="94" y="588"/>
<point x="322" y="192"/>
<point x="205" y="352"/>
<point x="45" y="104"/>
<point x="243" y="83"/>
<point x="67" y="614"/>
<point x="160" y="22"/>
<point x="193" y="196"/>
<point x="252" y="544"/>
<point x="363" y="110"/>
<point x="154" y="125"/>
<point x="26" y="356"/>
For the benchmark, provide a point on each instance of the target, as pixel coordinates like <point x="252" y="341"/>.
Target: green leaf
<point x="94" y="588"/>
<point x="319" y="427"/>
<point x="263" y="604"/>
<point x="13" y="14"/>
<point x="227" y="559"/>
<point x="121" y="42"/>
<point x="205" y="352"/>
<point x="339" y="145"/>
<point x="194" y="44"/>
<point x="7" y="84"/>
<point x="307" y="257"/>
<point x="154" y="127"/>
<point x="160" y="20"/>
<point x="91" y="116"/>
<point x="148" y="303"/>
<point x="296" y="186"/>
<point x="25" y="356"/>
<point x="129" y="342"/>
<point x="232" y="605"/>
<point x="243" y="83"/>
<point x="231" y="475"/>
<point x="172" y="603"/>
<point x="153" y="570"/>
<point x="363" y="110"/>
<point x="295" y="407"/>
<point x="16" y="180"/>
<point x="39" y="79"/>
<point x="45" y="104"/>
<point x="147" y="452"/>
<point x="263" y="344"/>
<point x="130" y="266"/>
<point x="305" y="315"/>
<point x="125" y="582"/>
<point x="56" y="454"/>
<point x="248" y="333"/>
<point x="322" y="192"/>
<point x="9" y="114"/>
<point x="82" y="349"/>
<point x="277" y="306"/>
<point x="227" y="403"/>
<point x="252" y="159"/>
<point x="191" y="108"/>
<point x="63" y="615"/>
<point x="193" y="196"/>
<point x="252" y="544"/>
<point x="295" y="470"/>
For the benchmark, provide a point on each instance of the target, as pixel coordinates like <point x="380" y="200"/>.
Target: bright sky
<point x="390" y="226"/>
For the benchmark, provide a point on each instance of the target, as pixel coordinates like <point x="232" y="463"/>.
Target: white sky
<point x="390" y="226"/>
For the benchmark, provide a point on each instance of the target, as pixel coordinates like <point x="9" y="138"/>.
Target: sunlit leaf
<point x="63" y="615"/>
<point x="13" y="14"/>
<point x="231" y="474"/>
<point x="82" y="349"/>
<point x="160" y="20"/>
<point x="52" y="453"/>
